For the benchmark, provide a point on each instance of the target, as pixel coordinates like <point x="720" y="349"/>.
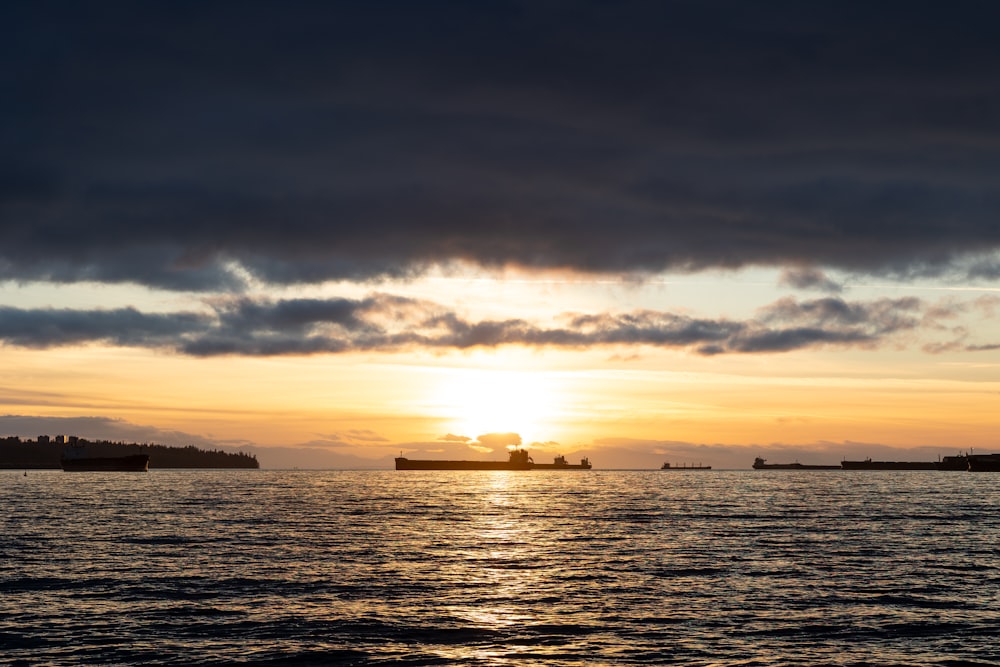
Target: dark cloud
<point x="44" y="328"/>
<point x="651" y="328"/>
<point x="809" y="278"/>
<point x="882" y="315"/>
<point x="790" y="325"/>
<point x="385" y="323"/>
<point x="175" y="144"/>
<point x="290" y="316"/>
<point x="983" y="348"/>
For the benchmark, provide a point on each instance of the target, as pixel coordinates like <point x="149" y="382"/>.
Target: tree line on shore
<point x="43" y="453"/>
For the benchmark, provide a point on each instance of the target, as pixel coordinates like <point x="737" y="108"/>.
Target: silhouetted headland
<point x="519" y="460"/>
<point x="45" y="453"/>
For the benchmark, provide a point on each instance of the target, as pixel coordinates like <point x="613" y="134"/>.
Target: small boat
<point x="518" y="460"/>
<point x="762" y="464"/>
<point x="667" y="466"/>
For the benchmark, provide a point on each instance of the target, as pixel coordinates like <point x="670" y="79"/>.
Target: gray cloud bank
<point x="242" y="326"/>
<point x="179" y="144"/>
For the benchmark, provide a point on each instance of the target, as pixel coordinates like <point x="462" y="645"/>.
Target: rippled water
<point x="500" y="568"/>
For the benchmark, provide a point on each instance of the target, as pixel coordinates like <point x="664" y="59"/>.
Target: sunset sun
<point x="476" y="401"/>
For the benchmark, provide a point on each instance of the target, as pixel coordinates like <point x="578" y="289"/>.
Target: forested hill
<point x="41" y="454"/>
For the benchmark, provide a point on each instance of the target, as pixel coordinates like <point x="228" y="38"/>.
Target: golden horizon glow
<point x="587" y="399"/>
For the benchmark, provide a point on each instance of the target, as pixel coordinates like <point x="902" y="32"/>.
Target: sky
<point x="331" y="232"/>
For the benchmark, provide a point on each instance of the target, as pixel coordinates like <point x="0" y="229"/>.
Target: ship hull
<point x="133" y="463"/>
<point x="889" y="465"/>
<point x="984" y="462"/>
<point x="558" y="466"/>
<point x="418" y="464"/>
<point x="424" y="464"/>
<point x="792" y="466"/>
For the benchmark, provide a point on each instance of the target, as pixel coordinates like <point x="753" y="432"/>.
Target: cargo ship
<point x="762" y="464"/>
<point x="75" y="459"/>
<point x="959" y="462"/>
<point x="518" y="460"/>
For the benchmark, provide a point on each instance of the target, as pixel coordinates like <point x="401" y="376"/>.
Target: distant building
<point x="60" y="439"/>
<point x="43" y="440"/>
<point x="73" y="440"/>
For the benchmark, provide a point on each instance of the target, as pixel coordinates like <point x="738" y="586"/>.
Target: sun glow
<point x="475" y="402"/>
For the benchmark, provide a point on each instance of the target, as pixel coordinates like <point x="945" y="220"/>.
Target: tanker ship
<point x="518" y="460"/>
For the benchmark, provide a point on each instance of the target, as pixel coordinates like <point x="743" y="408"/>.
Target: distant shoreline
<point x="44" y="454"/>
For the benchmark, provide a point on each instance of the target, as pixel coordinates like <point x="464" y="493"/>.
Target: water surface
<point x="500" y="568"/>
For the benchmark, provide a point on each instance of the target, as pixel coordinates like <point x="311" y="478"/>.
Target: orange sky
<point x="624" y="405"/>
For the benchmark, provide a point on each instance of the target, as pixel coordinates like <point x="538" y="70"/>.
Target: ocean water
<point x="500" y="568"/>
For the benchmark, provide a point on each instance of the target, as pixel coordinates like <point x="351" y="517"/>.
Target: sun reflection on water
<point x="498" y="568"/>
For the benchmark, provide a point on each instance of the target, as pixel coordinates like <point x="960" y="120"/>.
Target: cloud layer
<point x="183" y="144"/>
<point x="242" y="326"/>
